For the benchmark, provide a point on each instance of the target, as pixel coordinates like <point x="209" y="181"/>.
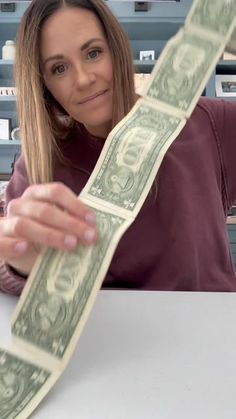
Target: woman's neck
<point x="101" y="131"/>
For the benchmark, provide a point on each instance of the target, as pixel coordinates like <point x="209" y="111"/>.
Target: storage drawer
<point x="232" y="233"/>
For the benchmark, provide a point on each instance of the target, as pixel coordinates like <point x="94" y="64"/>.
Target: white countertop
<point x="152" y="355"/>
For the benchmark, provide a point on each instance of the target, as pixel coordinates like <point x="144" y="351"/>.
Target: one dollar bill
<point x="21" y="382"/>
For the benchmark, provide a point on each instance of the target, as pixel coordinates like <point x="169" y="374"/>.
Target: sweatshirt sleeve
<point x="10" y="282"/>
<point x="18" y="182"/>
<point x="225" y="123"/>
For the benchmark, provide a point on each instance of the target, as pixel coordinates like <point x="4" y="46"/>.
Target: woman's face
<point x="77" y="67"/>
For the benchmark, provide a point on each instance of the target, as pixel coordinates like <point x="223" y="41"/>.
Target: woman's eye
<point x="94" y="54"/>
<point x="59" y="69"/>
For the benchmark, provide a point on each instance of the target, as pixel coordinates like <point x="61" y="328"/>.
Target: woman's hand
<point x="45" y="215"/>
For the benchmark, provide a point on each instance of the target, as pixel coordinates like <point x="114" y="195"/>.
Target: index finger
<point x="59" y="194"/>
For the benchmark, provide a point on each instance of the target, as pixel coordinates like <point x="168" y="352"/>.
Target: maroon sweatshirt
<point x="179" y="239"/>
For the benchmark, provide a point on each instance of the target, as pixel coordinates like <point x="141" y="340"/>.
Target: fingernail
<point x="21" y="247"/>
<point x="90" y="217"/>
<point x="89" y="235"/>
<point x="70" y="242"/>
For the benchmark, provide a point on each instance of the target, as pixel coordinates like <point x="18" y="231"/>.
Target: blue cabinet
<point x="152" y="29"/>
<point x="8" y="29"/>
<point x="232" y="239"/>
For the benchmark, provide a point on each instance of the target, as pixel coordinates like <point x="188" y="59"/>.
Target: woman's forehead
<point x="70" y="25"/>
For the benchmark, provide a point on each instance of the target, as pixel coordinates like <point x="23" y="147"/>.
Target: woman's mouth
<point x="95" y="97"/>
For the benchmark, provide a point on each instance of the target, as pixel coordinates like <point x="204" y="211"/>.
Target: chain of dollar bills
<point x="62" y="288"/>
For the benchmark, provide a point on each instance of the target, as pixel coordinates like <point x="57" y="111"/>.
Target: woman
<point x="74" y="76"/>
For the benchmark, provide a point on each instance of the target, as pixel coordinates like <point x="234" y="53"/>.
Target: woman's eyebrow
<point x="87" y="44"/>
<point x="82" y="48"/>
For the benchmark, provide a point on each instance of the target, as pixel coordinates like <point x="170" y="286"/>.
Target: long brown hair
<point x="40" y="116"/>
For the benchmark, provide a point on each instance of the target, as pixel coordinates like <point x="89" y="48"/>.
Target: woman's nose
<point x="84" y="76"/>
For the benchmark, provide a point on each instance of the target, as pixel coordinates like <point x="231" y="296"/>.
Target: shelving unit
<point x="6" y="99"/>
<point x="152" y="29"/>
<point x="144" y="66"/>
<point x="6" y="143"/>
<point x="223" y="67"/>
<point x="232" y="238"/>
<point x="9" y="149"/>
